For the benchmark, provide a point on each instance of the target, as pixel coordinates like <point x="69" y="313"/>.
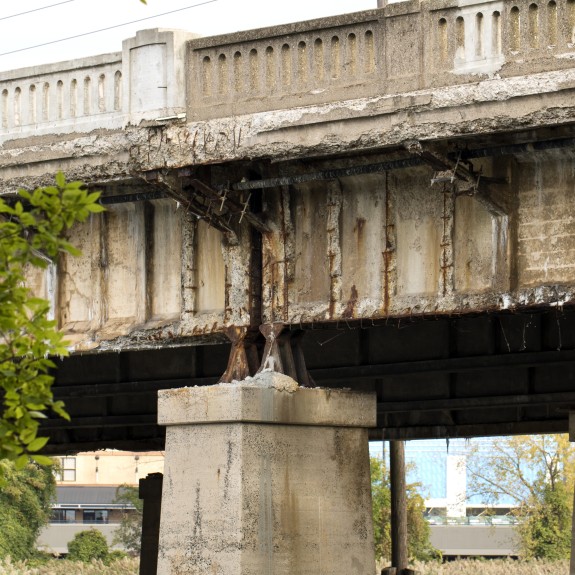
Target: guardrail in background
<point x="473" y="520"/>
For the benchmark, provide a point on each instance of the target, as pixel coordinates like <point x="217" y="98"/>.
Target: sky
<point x="41" y="23"/>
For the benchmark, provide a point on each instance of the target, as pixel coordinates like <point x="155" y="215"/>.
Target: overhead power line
<point x="36" y="10"/>
<point x="106" y="29"/>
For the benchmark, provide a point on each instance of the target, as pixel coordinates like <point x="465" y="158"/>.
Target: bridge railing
<point x="509" y="38"/>
<point x="68" y="94"/>
<point x="284" y="66"/>
<point x="403" y="47"/>
<point x="143" y="82"/>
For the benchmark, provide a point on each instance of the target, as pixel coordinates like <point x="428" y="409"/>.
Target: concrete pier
<point x="266" y="477"/>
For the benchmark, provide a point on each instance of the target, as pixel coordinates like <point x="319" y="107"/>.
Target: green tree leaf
<point x="37" y="444"/>
<point x="32" y="234"/>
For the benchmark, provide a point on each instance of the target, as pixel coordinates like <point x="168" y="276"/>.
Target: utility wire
<point x="36" y="10"/>
<point x="106" y="29"/>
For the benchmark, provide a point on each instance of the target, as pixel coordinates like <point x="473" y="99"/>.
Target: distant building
<point x="86" y="493"/>
<point x="87" y="483"/>
<point x="461" y="524"/>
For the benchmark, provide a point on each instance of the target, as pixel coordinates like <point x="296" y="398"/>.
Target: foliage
<point x="418" y="529"/>
<point x="493" y="567"/>
<point x="537" y="473"/>
<point x="129" y="532"/>
<point x="129" y="566"/>
<point x="32" y="234"/>
<point x="546" y="528"/>
<point x="124" y="566"/>
<point x="87" y="546"/>
<point x="116" y="555"/>
<point x="25" y="502"/>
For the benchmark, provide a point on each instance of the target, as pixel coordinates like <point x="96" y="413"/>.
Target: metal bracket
<point x="244" y="360"/>
<point x="283" y="353"/>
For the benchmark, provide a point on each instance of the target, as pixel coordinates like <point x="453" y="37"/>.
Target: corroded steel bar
<point x="328" y="174"/>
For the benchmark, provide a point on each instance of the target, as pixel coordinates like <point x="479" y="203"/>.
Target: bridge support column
<point x="150" y="490"/>
<point x="263" y="477"/>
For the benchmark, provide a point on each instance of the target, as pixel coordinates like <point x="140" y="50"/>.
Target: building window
<point x="67" y="469"/>
<point x="95" y="516"/>
<point x="63" y="516"/>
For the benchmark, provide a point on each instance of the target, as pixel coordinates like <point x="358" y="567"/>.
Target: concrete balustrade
<point x="108" y="91"/>
<point x="374" y="53"/>
<point x="482" y="37"/>
<point x="310" y="62"/>
<point x="60" y="97"/>
<point x="315" y="62"/>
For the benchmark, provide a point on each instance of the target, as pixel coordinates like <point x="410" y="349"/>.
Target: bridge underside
<point x="458" y="376"/>
<point x="503" y="365"/>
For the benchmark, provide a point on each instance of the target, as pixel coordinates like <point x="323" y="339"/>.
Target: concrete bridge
<point x="395" y="185"/>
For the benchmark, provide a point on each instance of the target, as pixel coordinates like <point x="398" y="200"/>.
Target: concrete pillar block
<point x="263" y="477"/>
<point x="153" y="71"/>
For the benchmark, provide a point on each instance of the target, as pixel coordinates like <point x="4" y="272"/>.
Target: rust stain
<point x="332" y="300"/>
<point x="359" y="225"/>
<point x="350" y="307"/>
<point x="387" y="255"/>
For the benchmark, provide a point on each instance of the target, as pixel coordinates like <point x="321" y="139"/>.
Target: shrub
<point x="88" y="545"/>
<point x="116" y="555"/>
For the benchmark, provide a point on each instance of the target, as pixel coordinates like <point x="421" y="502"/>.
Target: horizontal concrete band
<point x="246" y="403"/>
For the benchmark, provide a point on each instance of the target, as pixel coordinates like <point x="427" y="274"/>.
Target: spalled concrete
<point x="262" y="476"/>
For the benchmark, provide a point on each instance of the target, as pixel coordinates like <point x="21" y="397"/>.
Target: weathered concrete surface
<point x="362" y="124"/>
<point x="266" y="477"/>
<point x="338" y="92"/>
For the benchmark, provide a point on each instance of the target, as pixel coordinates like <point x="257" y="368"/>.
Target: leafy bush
<point x="116" y="555"/>
<point x="87" y="546"/>
<point x="25" y="501"/>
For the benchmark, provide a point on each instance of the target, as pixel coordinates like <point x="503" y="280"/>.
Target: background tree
<point x="32" y="233"/>
<point x="418" y="530"/>
<point x="536" y="472"/>
<point x="25" y="507"/>
<point x="129" y="532"/>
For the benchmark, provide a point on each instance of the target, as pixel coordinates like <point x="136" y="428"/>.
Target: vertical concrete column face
<point x="264" y="477"/>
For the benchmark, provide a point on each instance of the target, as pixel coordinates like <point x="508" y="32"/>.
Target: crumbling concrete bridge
<point x="387" y="193"/>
